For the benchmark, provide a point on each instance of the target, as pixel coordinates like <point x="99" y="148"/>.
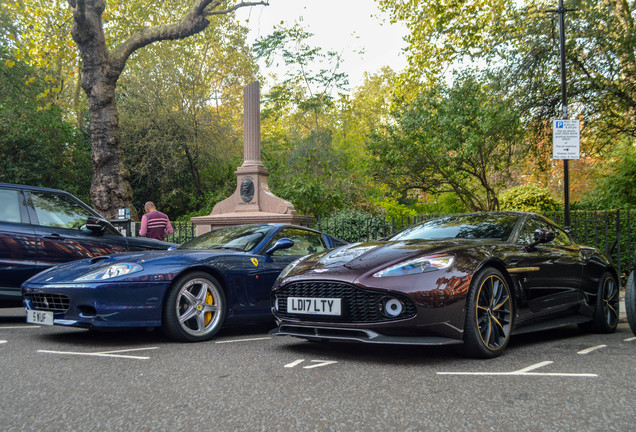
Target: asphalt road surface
<point x="65" y="379"/>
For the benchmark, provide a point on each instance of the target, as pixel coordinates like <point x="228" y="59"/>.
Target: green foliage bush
<point x="38" y="147"/>
<point x="529" y="198"/>
<point x="614" y="181"/>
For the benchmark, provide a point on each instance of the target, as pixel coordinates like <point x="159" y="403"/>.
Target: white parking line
<point x="631" y="339"/>
<point x="294" y="363"/>
<point x="320" y="363"/>
<point x="19" y="327"/>
<point x="590" y="349"/>
<point x="3" y="341"/>
<point x="243" y="340"/>
<point x="522" y="372"/>
<point x="104" y="353"/>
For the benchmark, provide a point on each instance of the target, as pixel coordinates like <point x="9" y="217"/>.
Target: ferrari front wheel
<point x="488" y="315"/>
<point x="195" y="308"/>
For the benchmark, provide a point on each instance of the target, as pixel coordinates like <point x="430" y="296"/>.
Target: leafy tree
<point x="461" y="140"/>
<point x="39" y="34"/>
<point x="37" y="146"/>
<point x="181" y="121"/>
<point x="615" y="181"/>
<point x="103" y="58"/>
<point x="519" y="42"/>
<point x="299" y="121"/>
<point x="311" y="75"/>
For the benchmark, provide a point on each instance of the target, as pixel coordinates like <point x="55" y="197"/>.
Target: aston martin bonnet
<point x="471" y="279"/>
<point x="221" y="278"/>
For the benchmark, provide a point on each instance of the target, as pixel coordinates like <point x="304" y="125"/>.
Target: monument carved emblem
<point x="247" y="189"/>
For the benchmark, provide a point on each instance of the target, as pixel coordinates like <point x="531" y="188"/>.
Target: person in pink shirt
<point x="154" y="224"/>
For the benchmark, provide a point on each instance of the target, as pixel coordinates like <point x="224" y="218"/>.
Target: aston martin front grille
<point x="358" y="305"/>
<point x="50" y="302"/>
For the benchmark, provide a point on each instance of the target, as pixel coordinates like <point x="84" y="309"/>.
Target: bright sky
<point x="345" y="26"/>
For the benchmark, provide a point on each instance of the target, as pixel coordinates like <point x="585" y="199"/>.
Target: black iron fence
<point x="182" y="232"/>
<point x="611" y="231"/>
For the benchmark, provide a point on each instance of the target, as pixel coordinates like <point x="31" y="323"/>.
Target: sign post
<point x="565" y="125"/>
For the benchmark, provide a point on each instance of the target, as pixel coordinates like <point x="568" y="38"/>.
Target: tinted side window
<point x="561" y="239"/>
<point x="526" y="236"/>
<point x="9" y="206"/>
<point x="337" y="242"/>
<point x="305" y="242"/>
<point x="58" y="211"/>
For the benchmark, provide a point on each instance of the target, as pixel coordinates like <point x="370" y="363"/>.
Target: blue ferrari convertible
<point x="223" y="277"/>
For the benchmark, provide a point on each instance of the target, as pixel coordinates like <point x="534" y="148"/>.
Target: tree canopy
<point x="135" y="101"/>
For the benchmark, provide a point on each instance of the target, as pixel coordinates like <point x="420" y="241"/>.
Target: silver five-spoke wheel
<point x="195" y="308"/>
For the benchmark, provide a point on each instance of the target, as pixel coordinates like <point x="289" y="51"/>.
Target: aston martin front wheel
<point x="489" y="313"/>
<point x="195" y="308"/>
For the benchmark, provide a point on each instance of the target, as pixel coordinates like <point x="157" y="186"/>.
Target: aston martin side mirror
<point x="540" y="236"/>
<point x="543" y="236"/>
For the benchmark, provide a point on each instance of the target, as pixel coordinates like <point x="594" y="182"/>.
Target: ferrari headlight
<point x="112" y="271"/>
<point x="418" y="265"/>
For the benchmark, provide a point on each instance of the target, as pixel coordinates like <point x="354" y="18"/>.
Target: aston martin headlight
<point x="112" y="271"/>
<point x="418" y="265"/>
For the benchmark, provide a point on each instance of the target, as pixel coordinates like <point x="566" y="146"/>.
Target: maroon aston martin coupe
<point x="474" y="279"/>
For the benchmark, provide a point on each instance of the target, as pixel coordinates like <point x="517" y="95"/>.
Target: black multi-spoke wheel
<point x="195" y="308"/>
<point x="630" y="301"/>
<point x="606" y="311"/>
<point x="488" y="315"/>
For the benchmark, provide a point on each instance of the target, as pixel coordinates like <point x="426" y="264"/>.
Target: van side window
<point x="9" y="206"/>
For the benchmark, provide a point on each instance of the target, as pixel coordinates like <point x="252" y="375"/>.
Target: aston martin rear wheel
<point x="488" y="315"/>
<point x="607" y="303"/>
<point x="630" y="301"/>
<point x="195" y="308"/>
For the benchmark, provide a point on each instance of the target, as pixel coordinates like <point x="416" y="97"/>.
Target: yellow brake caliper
<point x="208" y="315"/>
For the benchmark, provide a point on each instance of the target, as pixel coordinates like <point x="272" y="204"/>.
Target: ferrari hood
<point x="167" y="261"/>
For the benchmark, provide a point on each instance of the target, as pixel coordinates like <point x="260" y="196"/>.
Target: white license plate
<point x="40" y="317"/>
<point x="314" y="306"/>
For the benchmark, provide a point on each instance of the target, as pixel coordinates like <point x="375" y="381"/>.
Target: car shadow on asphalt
<point x="433" y="355"/>
<point x="141" y="336"/>
<point x="399" y="355"/>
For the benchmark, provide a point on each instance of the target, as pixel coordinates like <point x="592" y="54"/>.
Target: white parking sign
<point x="566" y="139"/>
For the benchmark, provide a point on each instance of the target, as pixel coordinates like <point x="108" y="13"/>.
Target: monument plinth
<point x="252" y="202"/>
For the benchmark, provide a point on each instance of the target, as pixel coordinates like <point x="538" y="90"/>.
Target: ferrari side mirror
<point x="284" y="243"/>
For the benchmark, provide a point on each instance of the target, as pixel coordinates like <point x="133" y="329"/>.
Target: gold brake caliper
<point x="208" y="315"/>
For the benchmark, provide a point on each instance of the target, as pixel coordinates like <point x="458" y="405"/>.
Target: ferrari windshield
<point x="241" y="238"/>
<point x="473" y="226"/>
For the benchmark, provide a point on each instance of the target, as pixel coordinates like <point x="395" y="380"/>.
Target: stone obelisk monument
<point x="252" y="202"/>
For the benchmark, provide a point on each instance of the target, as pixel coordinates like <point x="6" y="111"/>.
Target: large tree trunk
<point x="110" y="189"/>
